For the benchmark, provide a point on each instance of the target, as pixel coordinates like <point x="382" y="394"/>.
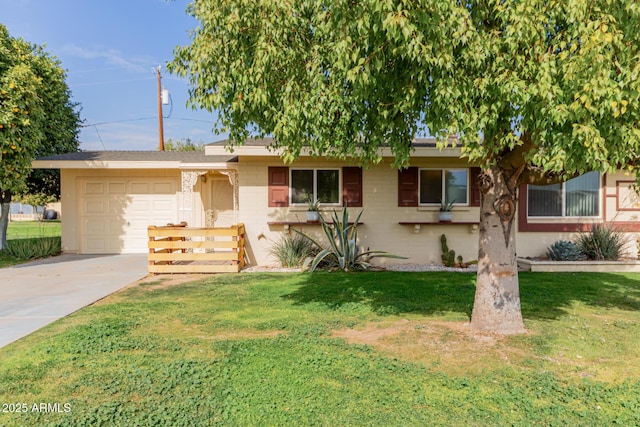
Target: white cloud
<point x="111" y="57"/>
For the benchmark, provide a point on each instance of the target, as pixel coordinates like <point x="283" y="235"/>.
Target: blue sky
<point x="109" y="48"/>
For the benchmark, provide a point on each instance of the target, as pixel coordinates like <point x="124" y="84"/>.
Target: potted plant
<point x="445" y="210"/>
<point x="313" y="210"/>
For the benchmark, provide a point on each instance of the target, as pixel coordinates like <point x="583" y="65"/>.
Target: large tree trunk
<point x="5" y="204"/>
<point x="497" y="300"/>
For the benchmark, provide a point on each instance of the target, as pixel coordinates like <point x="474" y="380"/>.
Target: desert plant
<point x="446" y="206"/>
<point x="342" y="251"/>
<point x="34" y="248"/>
<point x="602" y="242"/>
<point x="563" y="250"/>
<point x="292" y="250"/>
<point x="313" y="205"/>
<point x="448" y="255"/>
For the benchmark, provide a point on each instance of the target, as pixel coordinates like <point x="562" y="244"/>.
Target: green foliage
<point x="36" y="115"/>
<point x="448" y="256"/>
<point x="563" y="250"/>
<point x="446" y="206"/>
<point x="313" y="205"/>
<point x="183" y="145"/>
<point x="35" y="199"/>
<point x="602" y="242"/>
<point x="342" y="251"/>
<point x="558" y="80"/>
<point x="292" y="250"/>
<point x="41" y="247"/>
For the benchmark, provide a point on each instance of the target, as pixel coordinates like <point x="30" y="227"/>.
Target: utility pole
<point x="160" y="124"/>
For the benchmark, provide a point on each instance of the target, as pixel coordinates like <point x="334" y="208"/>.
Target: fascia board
<point x="74" y="164"/>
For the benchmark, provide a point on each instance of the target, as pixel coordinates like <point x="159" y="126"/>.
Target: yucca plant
<point x="602" y="242"/>
<point x="342" y="250"/>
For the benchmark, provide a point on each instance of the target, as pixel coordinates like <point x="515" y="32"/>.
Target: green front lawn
<point x="333" y="349"/>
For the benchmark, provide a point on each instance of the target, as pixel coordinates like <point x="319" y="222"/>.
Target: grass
<point x="31" y="229"/>
<point x="26" y="232"/>
<point x="324" y="349"/>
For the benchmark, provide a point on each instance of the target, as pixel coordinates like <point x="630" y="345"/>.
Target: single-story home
<point x="109" y="198"/>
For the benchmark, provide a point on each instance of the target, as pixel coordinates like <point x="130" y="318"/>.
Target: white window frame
<point x="442" y="185"/>
<point x="563" y="195"/>
<point x="315" y="185"/>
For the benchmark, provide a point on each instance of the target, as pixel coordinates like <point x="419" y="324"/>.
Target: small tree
<point x="36" y="118"/>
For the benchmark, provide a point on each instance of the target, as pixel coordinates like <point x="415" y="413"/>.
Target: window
<point x="322" y="185"/>
<point x="578" y="197"/>
<point x="437" y="185"/>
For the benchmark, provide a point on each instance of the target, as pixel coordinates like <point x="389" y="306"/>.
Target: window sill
<point x="417" y="225"/>
<point x="289" y="224"/>
<point x="437" y="208"/>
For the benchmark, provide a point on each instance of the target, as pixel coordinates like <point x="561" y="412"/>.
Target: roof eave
<point x="129" y="164"/>
<point x="261" y="151"/>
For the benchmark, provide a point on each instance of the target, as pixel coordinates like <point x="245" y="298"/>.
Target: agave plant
<point x="342" y="251"/>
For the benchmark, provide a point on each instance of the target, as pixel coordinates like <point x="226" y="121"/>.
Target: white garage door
<point x="115" y="214"/>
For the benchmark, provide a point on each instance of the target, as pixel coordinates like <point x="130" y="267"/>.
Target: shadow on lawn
<point x="544" y="296"/>
<point x="388" y="292"/>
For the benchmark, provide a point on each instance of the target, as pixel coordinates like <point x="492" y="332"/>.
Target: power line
<point x="99" y="137"/>
<point x="144" y="118"/>
<point x="117" y="121"/>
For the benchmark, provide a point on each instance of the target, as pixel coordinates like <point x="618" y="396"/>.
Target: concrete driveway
<point x="35" y="294"/>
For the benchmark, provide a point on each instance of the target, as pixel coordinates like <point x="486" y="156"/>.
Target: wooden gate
<point x="180" y="249"/>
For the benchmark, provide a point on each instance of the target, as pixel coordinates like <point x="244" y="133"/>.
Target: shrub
<point x="602" y="242"/>
<point x="342" y="250"/>
<point x="292" y="250"/>
<point x="563" y="250"/>
<point x="41" y="247"/>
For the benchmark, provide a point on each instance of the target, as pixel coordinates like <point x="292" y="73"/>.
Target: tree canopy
<point x="37" y="118"/>
<point x="185" y="144"/>
<point x="559" y="78"/>
<point x="535" y="91"/>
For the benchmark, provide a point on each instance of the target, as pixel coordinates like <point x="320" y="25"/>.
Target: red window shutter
<point x="408" y="187"/>
<point x="475" y="186"/>
<point x="278" y="186"/>
<point x="352" y="186"/>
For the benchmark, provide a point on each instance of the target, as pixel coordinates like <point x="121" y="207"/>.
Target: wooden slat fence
<point x="180" y="249"/>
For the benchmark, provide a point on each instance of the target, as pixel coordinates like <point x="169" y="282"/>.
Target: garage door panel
<point x="95" y="245"/>
<point x="140" y="188"/>
<point x="138" y="205"/>
<point x="117" y="188"/>
<point x="95" y="207"/>
<point x="115" y="214"/>
<point x="95" y="226"/>
<point x="163" y="188"/>
<point x="94" y="188"/>
<point x="162" y="206"/>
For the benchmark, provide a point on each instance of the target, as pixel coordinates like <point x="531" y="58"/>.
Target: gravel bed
<point x="392" y="267"/>
<point x="430" y="267"/>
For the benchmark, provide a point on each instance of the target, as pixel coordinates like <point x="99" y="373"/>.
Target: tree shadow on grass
<point x="389" y="293"/>
<point x="549" y="295"/>
<point x="543" y="296"/>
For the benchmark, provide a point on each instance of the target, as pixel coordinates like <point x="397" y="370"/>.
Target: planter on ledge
<point x="445" y="216"/>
